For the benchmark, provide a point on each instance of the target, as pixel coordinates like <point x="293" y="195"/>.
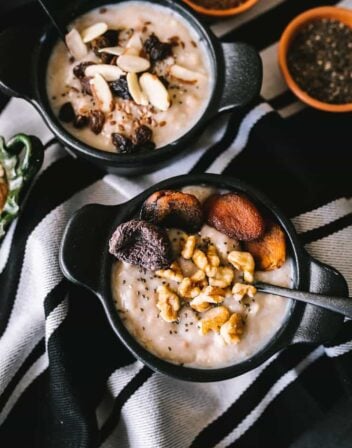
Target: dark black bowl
<point x="236" y="68"/>
<point x="85" y="260"/>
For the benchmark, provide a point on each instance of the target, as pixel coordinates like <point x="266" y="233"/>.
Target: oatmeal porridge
<point x="185" y="291"/>
<point x="136" y="77"/>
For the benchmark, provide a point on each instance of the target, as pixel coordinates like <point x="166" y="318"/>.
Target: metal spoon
<point x="341" y="305"/>
<point x="51" y="8"/>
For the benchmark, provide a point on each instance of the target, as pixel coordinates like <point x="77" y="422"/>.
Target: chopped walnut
<point x="189" y="247"/>
<point x="240" y="290"/>
<point x="187" y="289"/>
<point x="214" y="319"/>
<point x="243" y="261"/>
<point x="174" y="273"/>
<point x="209" y="295"/>
<point x="223" y="278"/>
<point x="168" y="304"/>
<point x="212" y="255"/>
<point x="200" y="259"/>
<point x="232" y="330"/>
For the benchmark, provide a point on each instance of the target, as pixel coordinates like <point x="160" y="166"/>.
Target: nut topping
<point x="138" y="96"/>
<point x="133" y="64"/>
<point x="240" y="290"/>
<point x="155" y="90"/>
<point x="183" y="74"/>
<point x="115" y="51"/>
<point x="168" y="304"/>
<point x="232" y="330"/>
<point x="108" y="72"/>
<point x="94" y="31"/>
<point x="101" y="92"/>
<point x="243" y="261"/>
<point x="214" y="319"/>
<point x="75" y="44"/>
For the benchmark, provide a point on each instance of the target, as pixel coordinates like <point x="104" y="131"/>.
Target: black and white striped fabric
<point x="65" y="379"/>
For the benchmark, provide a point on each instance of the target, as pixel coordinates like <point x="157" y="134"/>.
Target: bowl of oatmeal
<point x="176" y="267"/>
<point x="133" y="84"/>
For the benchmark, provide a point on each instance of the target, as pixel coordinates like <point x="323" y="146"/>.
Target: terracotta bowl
<point x="330" y="12"/>
<point x="222" y="12"/>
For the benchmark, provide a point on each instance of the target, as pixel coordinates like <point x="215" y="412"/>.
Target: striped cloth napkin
<point x="67" y="381"/>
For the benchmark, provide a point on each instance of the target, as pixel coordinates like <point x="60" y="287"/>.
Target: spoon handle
<point x="52" y="10"/>
<point x="341" y="305"/>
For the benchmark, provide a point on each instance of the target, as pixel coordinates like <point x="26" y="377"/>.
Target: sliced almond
<point x="102" y="93"/>
<point x="131" y="51"/>
<point x="184" y="74"/>
<point x="155" y="90"/>
<point x="75" y="44"/>
<point x="135" y="43"/>
<point x="108" y="72"/>
<point x="116" y="51"/>
<point x="134" y="88"/>
<point x="94" y="31"/>
<point x="133" y="64"/>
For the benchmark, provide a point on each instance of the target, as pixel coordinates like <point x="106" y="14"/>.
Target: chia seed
<point x="320" y="60"/>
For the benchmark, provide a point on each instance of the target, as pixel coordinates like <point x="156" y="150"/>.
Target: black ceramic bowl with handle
<point x="236" y="69"/>
<point x="85" y="260"/>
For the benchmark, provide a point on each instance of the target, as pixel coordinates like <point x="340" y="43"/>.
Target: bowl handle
<point x="243" y="75"/>
<point x="84" y="246"/>
<point x="16" y="49"/>
<point x="319" y="325"/>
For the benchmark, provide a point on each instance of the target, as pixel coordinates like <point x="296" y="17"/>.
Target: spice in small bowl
<point x="315" y="55"/>
<point x="220" y="8"/>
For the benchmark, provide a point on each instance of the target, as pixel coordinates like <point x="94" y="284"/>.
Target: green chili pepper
<point x="21" y="159"/>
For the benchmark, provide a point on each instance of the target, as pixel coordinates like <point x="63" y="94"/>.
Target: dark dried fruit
<point x="123" y="144"/>
<point x="96" y="121"/>
<point x="79" y="70"/>
<point x="157" y="50"/>
<point x="143" y="135"/>
<point x="269" y="251"/>
<point x="67" y="113"/>
<point x="148" y="146"/>
<point x="81" y="121"/>
<point x="234" y="215"/>
<point x="120" y="88"/>
<point x="109" y="39"/>
<point x="173" y="209"/>
<point x="85" y="85"/>
<point x="141" y="243"/>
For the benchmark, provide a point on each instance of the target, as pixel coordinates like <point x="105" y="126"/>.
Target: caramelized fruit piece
<point x="269" y="251"/>
<point x="234" y="215"/>
<point x="173" y="209"/>
<point x="141" y="243"/>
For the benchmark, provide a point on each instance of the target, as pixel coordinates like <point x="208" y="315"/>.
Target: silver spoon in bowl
<point x="51" y="9"/>
<point x="341" y="305"/>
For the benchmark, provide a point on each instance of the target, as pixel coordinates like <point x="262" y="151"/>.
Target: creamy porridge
<point x="200" y="309"/>
<point x="137" y="77"/>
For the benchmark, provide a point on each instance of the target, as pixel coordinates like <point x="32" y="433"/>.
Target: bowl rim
<point x="248" y="4"/>
<point x="280" y="339"/>
<point x="283" y="48"/>
<point x="42" y="103"/>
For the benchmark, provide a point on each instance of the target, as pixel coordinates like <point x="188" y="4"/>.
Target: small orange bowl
<point x="324" y="12"/>
<point x="222" y="12"/>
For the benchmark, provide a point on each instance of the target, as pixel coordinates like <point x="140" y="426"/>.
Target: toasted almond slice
<point x="131" y="51"/>
<point x="134" y="88"/>
<point x="116" y="51"/>
<point x="75" y="44"/>
<point x="108" y="72"/>
<point x="102" y="93"/>
<point x="94" y="31"/>
<point x="184" y="74"/>
<point x="155" y="90"/>
<point x="133" y="64"/>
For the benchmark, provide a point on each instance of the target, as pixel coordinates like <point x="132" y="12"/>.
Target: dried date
<point x="157" y="50"/>
<point x="120" y="88"/>
<point x="67" y="113"/>
<point x="96" y="121"/>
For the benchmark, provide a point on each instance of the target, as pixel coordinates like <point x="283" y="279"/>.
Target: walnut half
<point x="168" y="304"/>
<point x="232" y="330"/>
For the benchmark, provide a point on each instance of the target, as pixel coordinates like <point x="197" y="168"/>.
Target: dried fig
<point x="269" y="251"/>
<point x="234" y="215"/>
<point x="173" y="209"/>
<point x="141" y="243"/>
